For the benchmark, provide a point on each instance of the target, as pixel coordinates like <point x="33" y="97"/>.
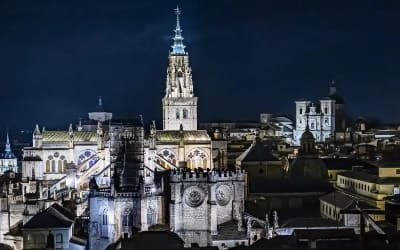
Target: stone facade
<point x="320" y="119"/>
<point x="47" y="159"/>
<point x="179" y="102"/>
<point x="8" y="161"/>
<point x="200" y="201"/>
<point x="324" y="118"/>
<point x="137" y="196"/>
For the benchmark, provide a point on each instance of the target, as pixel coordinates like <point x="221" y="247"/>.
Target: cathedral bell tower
<point x="179" y="102"/>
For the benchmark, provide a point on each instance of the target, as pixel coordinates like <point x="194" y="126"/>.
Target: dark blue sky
<point x="247" y="57"/>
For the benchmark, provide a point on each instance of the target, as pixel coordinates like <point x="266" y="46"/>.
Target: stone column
<point x="213" y="216"/>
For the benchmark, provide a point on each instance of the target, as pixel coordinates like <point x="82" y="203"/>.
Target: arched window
<point x="60" y="166"/>
<point x="178" y="114"/>
<point x="48" y="164"/>
<point x="127" y="218"/>
<point x="151" y="216"/>
<point x="196" y="159"/>
<point x="104" y="219"/>
<point x="104" y="223"/>
<point x="184" y="114"/>
<point x="168" y="155"/>
<point x="53" y="166"/>
<point x="83" y="156"/>
<point x="48" y="169"/>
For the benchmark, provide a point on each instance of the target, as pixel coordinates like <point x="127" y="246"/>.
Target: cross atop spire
<point x="177" y="12"/>
<point x="178" y="48"/>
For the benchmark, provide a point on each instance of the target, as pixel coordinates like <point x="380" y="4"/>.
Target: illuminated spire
<point x="37" y="130"/>
<point x="332" y="88"/>
<point x="8" y="146"/>
<point x="178" y="48"/>
<point x="8" y="154"/>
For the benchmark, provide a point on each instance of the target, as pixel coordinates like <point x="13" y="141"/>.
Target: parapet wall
<point x="199" y="175"/>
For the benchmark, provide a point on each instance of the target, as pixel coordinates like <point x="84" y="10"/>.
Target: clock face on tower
<point x="194" y="196"/>
<point x="223" y="195"/>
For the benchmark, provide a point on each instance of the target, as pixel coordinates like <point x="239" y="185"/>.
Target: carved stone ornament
<point x="223" y="195"/>
<point x="194" y="196"/>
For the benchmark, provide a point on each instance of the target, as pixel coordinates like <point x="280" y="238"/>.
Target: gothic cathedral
<point x="179" y="102"/>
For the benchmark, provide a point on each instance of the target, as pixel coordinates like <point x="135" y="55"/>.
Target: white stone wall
<point x="157" y="204"/>
<point x="71" y="154"/>
<point x="3" y="224"/>
<point x="321" y="124"/>
<point x="179" y="103"/>
<point x="31" y="236"/>
<point x="100" y="236"/>
<point x="221" y="196"/>
<point x="29" y="166"/>
<point x="8" y="164"/>
<point x="173" y="113"/>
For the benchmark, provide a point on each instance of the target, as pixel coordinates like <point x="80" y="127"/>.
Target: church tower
<point x="179" y="102"/>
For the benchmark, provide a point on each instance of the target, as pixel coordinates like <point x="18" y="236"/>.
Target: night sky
<point x="247" y="57"/>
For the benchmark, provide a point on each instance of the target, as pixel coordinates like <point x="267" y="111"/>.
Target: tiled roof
<point x="81" y="136"/>
<point x="65" y="212"/>
<point x="341" y="200"/>
<point x="345" y="233"/>
<point x="367" y="177"/>
<point x="261" y="184"/>
<point x="341" y="163"/>
<point x="304" y="166"/>
<point x="308" y="223"/>
<point x="5" y="247"/>
<point x="175" y="135"/>
<point x="385" y="163"/>
<point x="229" y="231"/>
<point x="53" y="217"/>
<point x="154" y="240"/>
<point x="344" y="201"/>
<point x="257" y="152"/>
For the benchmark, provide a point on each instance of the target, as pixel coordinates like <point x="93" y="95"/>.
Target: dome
<point x="217" y="134"/>
<point x="307" y="135"/>
<point x="307" y="143"/>
<point x="361" y="119"/>
<point x="309" y="167"/>
<point x="337" y="98"/>
<point x="333" y="95"/>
